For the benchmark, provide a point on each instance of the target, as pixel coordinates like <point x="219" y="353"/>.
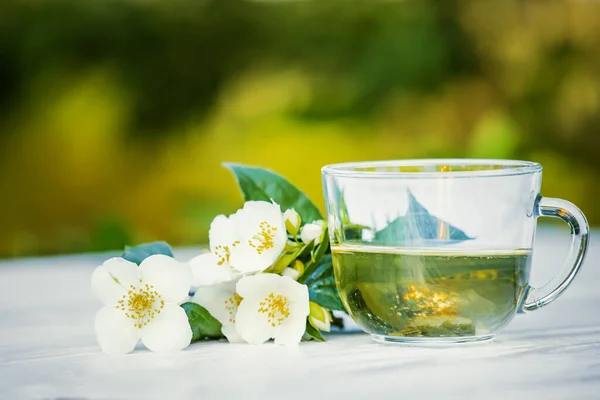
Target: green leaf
<point x="312" y="333"/>
<point x="417" y="226"/>
<point x="261" y="184"/>
<point x="307" y="251"/>
<point x="315" y="256"/>
<point x="321" y="286"/>
<point x="204" y="325"/>
<point x="137" y="254"/>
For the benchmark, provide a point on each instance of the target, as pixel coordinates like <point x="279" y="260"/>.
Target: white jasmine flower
<point x="221" y="301"/>
<point x="272" y="307"/>
<point x="312" y="232"/>
<point x="261" y="236"/>
<point x="292" y="221"/>
<point x="248" y="241"/>
<point x="142" y="302"/>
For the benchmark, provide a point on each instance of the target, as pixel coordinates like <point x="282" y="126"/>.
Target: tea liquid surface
<point x="424" y="293"/>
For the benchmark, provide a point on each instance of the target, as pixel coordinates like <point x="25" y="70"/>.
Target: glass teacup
<point x="439" y="251"/>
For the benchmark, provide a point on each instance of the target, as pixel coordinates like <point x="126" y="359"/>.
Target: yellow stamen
<point x="276" y="307"/>
<point x="141" y="304"/>
<point x="231" y="305"/>
<point x="264" y="239"/>
<point x="223" y="252"/>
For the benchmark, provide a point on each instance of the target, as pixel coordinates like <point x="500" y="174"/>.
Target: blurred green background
<point x="115" y="116"/>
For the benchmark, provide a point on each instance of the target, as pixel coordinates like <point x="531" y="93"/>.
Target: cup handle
<point x="536" y="298"/>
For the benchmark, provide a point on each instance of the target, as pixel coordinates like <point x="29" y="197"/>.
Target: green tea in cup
<point x="439" y="251"/>
<point x="420" y="293"/>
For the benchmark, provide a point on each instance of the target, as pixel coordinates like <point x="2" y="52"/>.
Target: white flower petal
<point x="213" y="298"/>
<point x="245" y="259"/>
<point x="249" y="218"/>
<point x="111" y="280"/>
<point x="252" y="326"/>
<point x="257" y="286"/>
<point x="230" y="332"/>
<point x="223" y="238"/>
<point x="291" y="331"/>
<point x="296" y="292"/>
<point x="220" y="301"/>
<point x="207" y="271"/>
<point x="169" y="331"/>
<point x="170" y="278"/>
<point x="221" y="233"/>
<point x="115" y="332"/>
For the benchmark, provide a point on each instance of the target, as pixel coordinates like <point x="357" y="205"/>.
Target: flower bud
<point x="292" y="247"/>
<point x="291" y="272"/>
<point x="298" y="266"/>
<point x="312" y="232"/>
<point x="292" y="221"/>
<point x="319" y="317"/>
<point x="281" y="264"/>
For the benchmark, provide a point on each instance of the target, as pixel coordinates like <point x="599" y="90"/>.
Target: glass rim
<point x="489" y="168"/>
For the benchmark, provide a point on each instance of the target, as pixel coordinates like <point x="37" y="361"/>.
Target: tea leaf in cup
<point x="417" y="226"/>
<point x="438" y="327"/>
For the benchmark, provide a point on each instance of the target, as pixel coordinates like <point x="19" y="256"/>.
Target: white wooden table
<point x="48" y="349"/>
